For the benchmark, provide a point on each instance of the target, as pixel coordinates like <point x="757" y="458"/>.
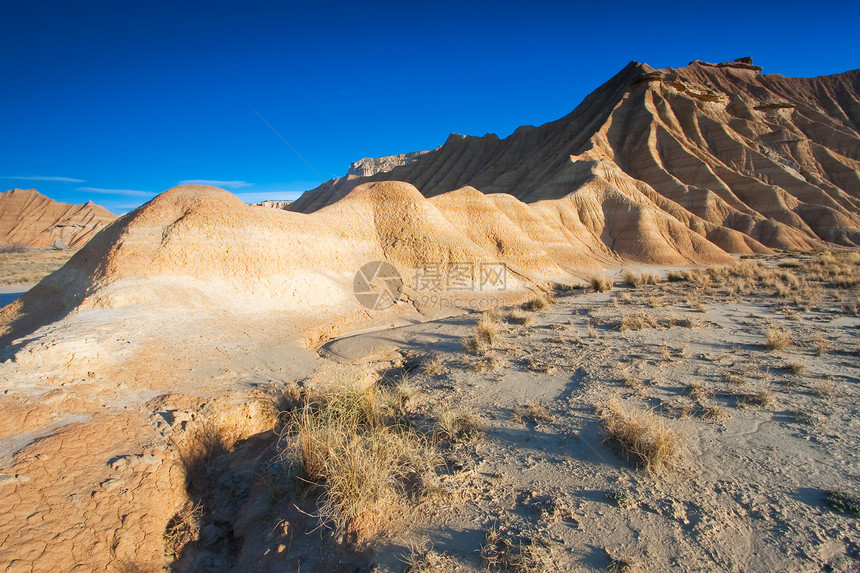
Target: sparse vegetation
<point x="622" y="498"/>
<point x="601" y="284"/>
<point x="761" y="399"/>
<point x="534" y="413"/>
<point x="843" y="501"/>
<point x="625" y="564"/>
<point x="510" y="550"/>
<point x="363" y="461"/>
<point x="457" y="426"/>
<point x="517" y="317"/>
<point x="639" y="320"/>
<point x="433" y="367"/>
<point x="647" y="436"/>
<point x="539" y="301"/>
<point x="635" y="280"/>
<point x="777" y="339"/>
<point x="30" y="265"/>
<point x="183" y="528"/>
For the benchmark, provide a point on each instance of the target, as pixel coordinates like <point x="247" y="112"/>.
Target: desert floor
<point x="497" y="440"/>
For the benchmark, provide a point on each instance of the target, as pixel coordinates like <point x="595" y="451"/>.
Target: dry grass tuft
<point x="820" y="343"/>
<point x="536" y="365"/>
<point x="622" y="564"/>
<point x="534" y="413"/>
<point x="182" y="529"/>
<point x="647" y="436"/>
<point x="777" y="339"/>
<point x="635" y="280"/>
<point x="517" y="317"/>
<point x="640" y="320"/>
<point x="364" y="462"/>
<point x="601" y="284"/>
<point x="457" y="426"/>
<point x="433" y="367"/>
<point x="539" y="301"/>
<point x="423" y="559"/>
<point x="824" y="389"/>
<point x="796" y="367"/>
<point x="520" y="552"/>
<point x="761" y="399"/>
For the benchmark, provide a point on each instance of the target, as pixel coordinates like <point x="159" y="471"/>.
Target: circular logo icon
<point x="377" y="285"/>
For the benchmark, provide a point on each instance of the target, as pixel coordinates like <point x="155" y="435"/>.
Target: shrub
<point x="777" y="339"/>
<point x="363" y="463"/>
<point x="634" y="280"/>
<point x="843" y="501"/>
<point x="601" y="284"/>
<point x="647" y="436"/>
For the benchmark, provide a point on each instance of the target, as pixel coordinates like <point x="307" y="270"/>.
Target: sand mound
<point x="27" y="217"/>
<point x="749" y="162"/>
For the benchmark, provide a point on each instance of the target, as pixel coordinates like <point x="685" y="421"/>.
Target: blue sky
<point x="116" y="101"/>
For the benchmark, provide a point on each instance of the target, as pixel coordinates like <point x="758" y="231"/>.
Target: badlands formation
<point x="195" y="307"/>
<point x="29" y="218"/>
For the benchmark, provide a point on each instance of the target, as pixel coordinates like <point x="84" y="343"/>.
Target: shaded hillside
<point x="745" y="160"/>
<point x="28" y="217"/>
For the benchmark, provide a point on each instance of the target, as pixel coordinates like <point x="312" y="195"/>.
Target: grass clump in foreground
<point x="647" y="436"/>
<point x="364" y="461"/>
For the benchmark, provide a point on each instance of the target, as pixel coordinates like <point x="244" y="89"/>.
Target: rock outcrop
<point x="272" y="204"/>
<point x="27" y="217"/>
<point x="373" y="165"/>
<point x="744" y="160"/>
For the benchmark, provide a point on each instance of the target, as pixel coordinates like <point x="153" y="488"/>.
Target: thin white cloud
<point x="54" y="179"/>
<point x="123" y="192"/>
<point x="215" y="183"/>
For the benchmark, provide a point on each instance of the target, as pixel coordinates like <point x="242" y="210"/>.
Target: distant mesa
<point x="272" y="204"/>
<point x="29" y="218"/>
<point x="373" y="165"/>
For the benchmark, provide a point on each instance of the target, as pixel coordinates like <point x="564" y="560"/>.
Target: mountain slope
<point x="28" y="217"/>
<point x="747" y="161"/>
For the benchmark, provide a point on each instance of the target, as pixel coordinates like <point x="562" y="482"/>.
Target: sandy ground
<point x="95" y="466"/>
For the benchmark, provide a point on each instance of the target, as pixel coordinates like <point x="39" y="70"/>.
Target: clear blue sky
<point x="118" y="100"/>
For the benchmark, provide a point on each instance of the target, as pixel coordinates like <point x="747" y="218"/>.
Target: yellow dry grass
<point x="648" y="437"/>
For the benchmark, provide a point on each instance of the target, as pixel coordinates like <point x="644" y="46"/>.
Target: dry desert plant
<point x="183" y="528"/>
<point x="843" y="501"/>
<point x="601" y="284"/>
<point x="457" y="426"/>
<point x="517" y="317"/>
<point x="423" y="559"/>
<point x="521" y="552"/>
<point x="824" y="388"/>
<point x="639" y="320"/>
<point x="539" y="301"/>
<point x="363" y="463"/>
<point x="534" y="413"/>
<point x="647" y="436"/>
<point x="777" y="339"/>
<point x="15" y="248"/>
<point x="635" y="280"/>
<point x="762" y="399"/>
<point x="433" y="367"/>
